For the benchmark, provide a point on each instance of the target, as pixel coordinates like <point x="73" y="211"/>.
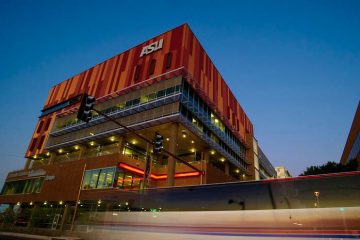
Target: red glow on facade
<point x="154" y="176"/>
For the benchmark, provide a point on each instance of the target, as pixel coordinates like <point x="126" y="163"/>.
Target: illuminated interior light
<point x="18" y="203"/>
<point x="79" y="202"/>
<point x="48" y="154"/>
<point x="167" y="139"/>
<point x="99" y="202"/>
<point x="60" y="150"/>
<point x="112" y="138"/>
<point x="31" y="203"/>
<point x="127" y="204"/>
<point x="183" y="134"/>
<point x="212" y="152"/>
<point x="237" y="170"/>
<point x="192" y="150"/>
<point x="156" y="177"/>
<point x="76" y="147"/>
<point x="61" y="202"/>
<point x="45" y="203"/>
<point x="35" y="156"/>
<point x="192" y="141"/>
<point x="244" y="175"/>
<point x="216" y="120"/>
<point x="134" y="142"/>
<point x="212" y="115"/>
<point x="92" y="134"/>
<point x="222" y="159"/>
<point x="188" y="174"/>
<point x="92" y="143"/>
<point x="81" y="205"/>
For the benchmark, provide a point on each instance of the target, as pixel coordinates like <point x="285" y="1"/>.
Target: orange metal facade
<point x="118" y="74"/>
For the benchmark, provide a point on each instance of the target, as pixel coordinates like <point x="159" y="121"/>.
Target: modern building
<point x="168" y="85"/>
<point x="352" y="146"/>
<point x="266" y="169"/>
<point x="282" y="172"/>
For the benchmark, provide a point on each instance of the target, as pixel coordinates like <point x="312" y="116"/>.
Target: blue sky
<point x="294" y="66"/>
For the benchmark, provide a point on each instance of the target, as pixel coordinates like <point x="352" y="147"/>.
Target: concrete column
<point x="82" y="152"/>
<point x="206" y="155"/>
<point x="227" y="169"/>
<point x="174" y="128"/>
<point x="27" y="164"/>
<point x="52" y="158"/>
<point x="122" y="142"/>
<point x="64" y="216"/>
<point x="204" y="163"/>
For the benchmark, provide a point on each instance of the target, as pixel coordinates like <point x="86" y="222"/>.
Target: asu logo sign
<point x="151" y="47"/>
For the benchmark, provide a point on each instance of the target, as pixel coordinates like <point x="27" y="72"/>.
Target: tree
<point x="8" y="217"/>
<point x="331" y="167"/>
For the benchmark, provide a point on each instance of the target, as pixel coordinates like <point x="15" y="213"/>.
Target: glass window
<point x="128" y="180"/>
<point x="170" y="90"/>
<point x="23" y="186"/>
<point x="160" y="93"/>
<point x="86" y="183"/>
<point x="177" y="88"/>
<point x="98" y="178"/>
<point x="109" y="177"/>
<point x="151" y="96"/>
<point x="144" y="99"/>
<point x="128" y="104"/>
<point x="136" y="182"/>
<point x="37" y="185"/>
<point x="120" y="179"/>
<point x="121" y="105"/>
<point x="94" y="178"/>
<point x="101" y="181"/>
<point x="27" y="187"/>
<point x="136" y="101"/>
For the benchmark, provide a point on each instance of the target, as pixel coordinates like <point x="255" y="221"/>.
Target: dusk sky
<point x="294" y="66"/>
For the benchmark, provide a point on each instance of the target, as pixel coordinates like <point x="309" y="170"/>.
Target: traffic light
<point x="87" y="104"/>
<point x="158" y="143"/>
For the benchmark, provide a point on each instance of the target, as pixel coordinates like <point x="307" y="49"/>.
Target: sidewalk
<point x="22" y="236"/>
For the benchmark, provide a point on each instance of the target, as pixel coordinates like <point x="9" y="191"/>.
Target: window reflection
<point x="127" y="180"/>
<point x="98" y="178"/>
<point x="23" y="186"/>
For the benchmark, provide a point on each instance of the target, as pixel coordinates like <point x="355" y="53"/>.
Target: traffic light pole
<point x="146" y="140"/>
